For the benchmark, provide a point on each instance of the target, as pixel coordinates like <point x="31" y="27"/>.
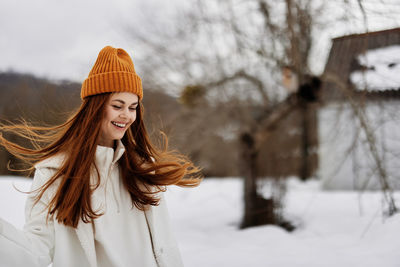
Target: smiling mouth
<point x="119" y="125"/>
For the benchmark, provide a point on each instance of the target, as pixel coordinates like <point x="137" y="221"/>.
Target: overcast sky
<point x="61" y="39"/>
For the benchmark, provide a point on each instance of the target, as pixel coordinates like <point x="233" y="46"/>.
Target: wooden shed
<point x="361" y="87"/>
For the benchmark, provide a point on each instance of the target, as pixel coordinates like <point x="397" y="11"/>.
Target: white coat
<point x="41" y="243"/>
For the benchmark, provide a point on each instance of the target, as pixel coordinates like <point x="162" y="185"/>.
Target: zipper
<point x="109" y="178"/>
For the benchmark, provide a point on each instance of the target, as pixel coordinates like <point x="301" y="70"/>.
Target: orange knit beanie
<point x="113" y="71"/>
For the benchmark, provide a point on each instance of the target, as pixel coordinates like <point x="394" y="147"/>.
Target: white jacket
<point x="40" y="244"/>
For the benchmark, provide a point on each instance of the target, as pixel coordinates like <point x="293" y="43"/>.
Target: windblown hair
<point x="145" y="169"/>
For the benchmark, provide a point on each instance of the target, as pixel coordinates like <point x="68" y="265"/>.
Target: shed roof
<point x="344" y="59"/>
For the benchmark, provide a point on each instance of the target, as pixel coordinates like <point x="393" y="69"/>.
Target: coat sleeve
<point x="34" y="245"/>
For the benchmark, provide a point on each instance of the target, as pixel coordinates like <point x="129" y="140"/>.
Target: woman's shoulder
<point x="53" y="162"/>
<point x="45" y="169"/>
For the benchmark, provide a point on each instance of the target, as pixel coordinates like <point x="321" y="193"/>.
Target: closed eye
<point x="133" y="107"/>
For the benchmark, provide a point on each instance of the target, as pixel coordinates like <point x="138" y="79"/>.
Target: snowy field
<point x="336" y="229"/>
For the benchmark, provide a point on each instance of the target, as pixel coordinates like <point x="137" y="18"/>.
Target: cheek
<point x="105" y="124"/>
<point x="133" y="117"/>
<point x="109" y="113"/>
<point x="107" y="119"/>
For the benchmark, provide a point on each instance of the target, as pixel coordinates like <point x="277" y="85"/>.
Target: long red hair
<point x="145" y="169"/>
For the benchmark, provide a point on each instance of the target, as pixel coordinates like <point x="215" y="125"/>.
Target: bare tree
<point x="228" y="57"/>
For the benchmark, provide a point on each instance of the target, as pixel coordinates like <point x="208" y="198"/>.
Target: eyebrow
<point x="123" y="102"/>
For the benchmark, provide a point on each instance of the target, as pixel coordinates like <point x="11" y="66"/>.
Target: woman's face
<point x="120" y="113"/>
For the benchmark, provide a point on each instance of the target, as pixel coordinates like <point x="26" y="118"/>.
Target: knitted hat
<point x="113" y="71"/>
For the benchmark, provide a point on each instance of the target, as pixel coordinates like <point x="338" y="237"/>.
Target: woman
<point x="97" y="194"/>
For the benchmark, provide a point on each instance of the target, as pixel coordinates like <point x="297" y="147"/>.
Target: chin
<point x="116" y="138"/>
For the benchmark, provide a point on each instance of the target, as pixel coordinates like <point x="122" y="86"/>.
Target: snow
<point x="335" y="228"/>
<point x="383" y="66"/>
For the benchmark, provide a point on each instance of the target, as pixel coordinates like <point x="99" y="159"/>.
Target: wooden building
<point x="361" y="88"/>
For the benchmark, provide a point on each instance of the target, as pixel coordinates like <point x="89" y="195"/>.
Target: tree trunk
<point x="257" y="210"/>
<point x="305" y="144"/>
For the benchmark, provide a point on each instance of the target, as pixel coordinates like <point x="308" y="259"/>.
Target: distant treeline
<point x="44" y="102"/>
<point x="35" y="100"/>
<point x="199" y="133"/>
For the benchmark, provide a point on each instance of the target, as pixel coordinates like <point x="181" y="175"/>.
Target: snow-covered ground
<point x="335" y="228"/>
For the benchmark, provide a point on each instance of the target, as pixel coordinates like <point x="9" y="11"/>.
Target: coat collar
<point x="107" y="155"/>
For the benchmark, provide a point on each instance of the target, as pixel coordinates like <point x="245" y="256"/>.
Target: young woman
<point x="97" y="193"/>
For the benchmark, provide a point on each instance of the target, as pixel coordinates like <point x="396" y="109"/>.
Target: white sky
<point x="61" y="39"/>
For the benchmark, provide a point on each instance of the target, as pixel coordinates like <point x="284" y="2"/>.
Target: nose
<point x="124" y="113"/>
